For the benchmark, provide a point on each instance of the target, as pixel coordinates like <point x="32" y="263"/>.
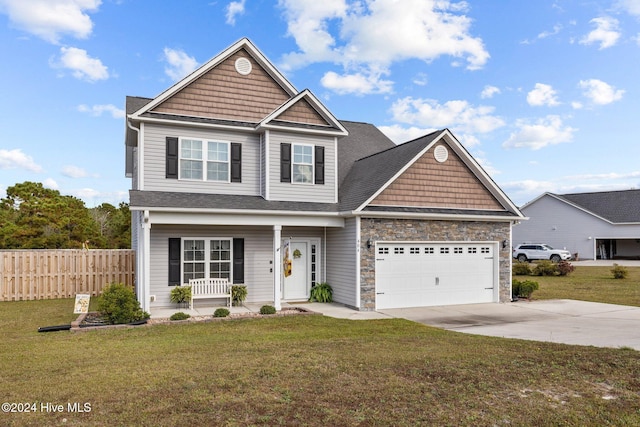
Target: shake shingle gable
<point x="369" y="174"/>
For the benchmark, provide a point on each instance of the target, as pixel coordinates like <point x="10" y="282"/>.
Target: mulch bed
<point x="93" y="320"/>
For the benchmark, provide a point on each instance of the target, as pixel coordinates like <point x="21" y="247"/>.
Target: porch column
<point x="277" y="265"/>
<point x="145" y="271"/>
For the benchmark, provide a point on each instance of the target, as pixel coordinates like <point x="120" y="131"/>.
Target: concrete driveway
<point x="560" y="321"/>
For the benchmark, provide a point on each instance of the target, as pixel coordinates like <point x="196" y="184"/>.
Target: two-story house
<point x="232" y="165"/>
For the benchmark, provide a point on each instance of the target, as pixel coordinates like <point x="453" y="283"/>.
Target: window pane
<point x="218" y="151"/>
<point x="217" y="171"/>
<point x="190" y="169"/>
<point x="302" y="173"/>
<point x="191" y="149"/>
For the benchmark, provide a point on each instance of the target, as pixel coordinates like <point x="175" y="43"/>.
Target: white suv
<point x="529" y="251"/>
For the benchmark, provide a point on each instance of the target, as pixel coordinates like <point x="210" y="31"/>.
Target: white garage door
<point x="429" y="274"/>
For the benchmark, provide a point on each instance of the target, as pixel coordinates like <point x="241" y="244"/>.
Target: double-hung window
<point x="206" y="258"/>
<point x="204" y="160"/>
<point x="302" y="164"/>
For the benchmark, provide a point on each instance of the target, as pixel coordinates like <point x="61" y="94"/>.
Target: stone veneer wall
<point x="427" y="230"/>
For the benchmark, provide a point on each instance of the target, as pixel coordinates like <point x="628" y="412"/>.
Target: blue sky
<point x="545" y="94"/>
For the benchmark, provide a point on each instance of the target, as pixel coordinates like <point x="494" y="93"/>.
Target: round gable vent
<point x="243" y="66"/>
<point x="441" y="154"/>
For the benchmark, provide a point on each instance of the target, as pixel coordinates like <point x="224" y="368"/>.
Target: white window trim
<point x="207" y="260"/>
<point x="313" y="163"/>
<point x="204" y="160"/>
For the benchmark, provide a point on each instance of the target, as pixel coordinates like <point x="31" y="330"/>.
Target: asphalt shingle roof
<point x="615" y="206"/>
<point x="370" y="173"/>
<point x="167" y="199"/>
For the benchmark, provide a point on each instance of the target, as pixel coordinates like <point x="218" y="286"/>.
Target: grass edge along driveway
<point x="304" y="370"/>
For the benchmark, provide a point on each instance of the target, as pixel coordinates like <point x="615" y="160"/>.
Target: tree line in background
<point x="35" y="217"/>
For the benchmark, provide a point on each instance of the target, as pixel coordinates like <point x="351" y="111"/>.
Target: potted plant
<point x="238" y="294"/>
<point x="321" y="292"/>
<point x="181" y="295"/>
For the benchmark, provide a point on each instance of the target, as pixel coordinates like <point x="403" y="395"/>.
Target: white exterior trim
<point x="326" y="114"/>
<point x="358" y="246"/>
<point x="433" y="216"/>
<point x="140" y="157"/>
<point x="267" y="169"/>
<point x="277" y="266"/>
<point x="242" y="218"/>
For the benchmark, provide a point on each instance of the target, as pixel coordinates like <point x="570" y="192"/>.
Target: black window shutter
<point x="319" y="166"/>
<point x="285" y="162"/>
<point x="174" y="261"/>
<point x="238" y="260"/>
<point x="236" y="162"/>
<point x="172" y="158"/>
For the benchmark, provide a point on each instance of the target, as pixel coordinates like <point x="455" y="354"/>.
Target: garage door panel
<point x="429" y="274"/>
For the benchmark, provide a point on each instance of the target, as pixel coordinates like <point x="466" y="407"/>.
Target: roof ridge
<point x="399" y="145"/>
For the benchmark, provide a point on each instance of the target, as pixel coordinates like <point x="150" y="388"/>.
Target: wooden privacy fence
<point x="63" y="273"/>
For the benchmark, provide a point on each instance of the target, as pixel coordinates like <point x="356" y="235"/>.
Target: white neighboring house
<point x="599" y="225"/>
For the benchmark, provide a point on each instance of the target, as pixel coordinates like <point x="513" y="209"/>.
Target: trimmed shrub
<point x="545" y="268"/>
<point x="564" y="268"/>
<point x="118" y="305"/>
<point x="221" y="312"/>
<point x="267" y="309"/>
<point x="521" y="268"/>
<point x="523" y="289"/>
<point x="238" y="294"/>
<point x="619" y="272"/>
<point x="321" y="292"/>
<point x="179" y="316"/>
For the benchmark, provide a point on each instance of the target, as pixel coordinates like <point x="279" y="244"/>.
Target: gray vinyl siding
<point x="564" y="226"/>
<point x="155" y="163"/>
<point x="258" y="254"/>
<point x="341" y="262"/>
<point x="324" y="193"/>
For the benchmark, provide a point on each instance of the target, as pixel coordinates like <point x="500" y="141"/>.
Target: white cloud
<point x="630" y="6"/>
<point x="606" y="32"/>
<point x="50" y="19"/>
<point x="599" y="92"/>
<point x="545" y="131"/>
<point x="399" y="134"/>
<point x="234" y="9"/>
<point x="74" y="172"/>
<point x="489" y="91"/>
<point x="420" y="79"/>
<point x="98" y="110"/>
<point x="604" y="176"/>
<point x="542" y="94"/>
<point x="358" y="83"/>
<point x="16" y="159"/>
<point x="83" y="67"/>
<point x="51" y="184"/>
<point x="179" y="64"/>
<point x="577" y="105"/>
<point x="556" y="29"/>
<point x="457" y="115"/>
<point x="424" y="30"/>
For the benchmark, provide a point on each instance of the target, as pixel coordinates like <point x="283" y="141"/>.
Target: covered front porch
<point x="278" y="258"/>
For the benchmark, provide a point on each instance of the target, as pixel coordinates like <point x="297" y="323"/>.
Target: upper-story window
<point x="195" y="154"/>
<point x="302" y="164"/>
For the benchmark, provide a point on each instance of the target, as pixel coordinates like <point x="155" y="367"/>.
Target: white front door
<point x="298" y="284"/>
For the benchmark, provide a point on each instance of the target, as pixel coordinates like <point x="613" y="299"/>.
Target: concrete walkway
<point x="560" y="321"/>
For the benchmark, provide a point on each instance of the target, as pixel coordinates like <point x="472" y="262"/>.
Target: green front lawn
<point x="590" y="284"/>
<point x="304" y="370"/>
